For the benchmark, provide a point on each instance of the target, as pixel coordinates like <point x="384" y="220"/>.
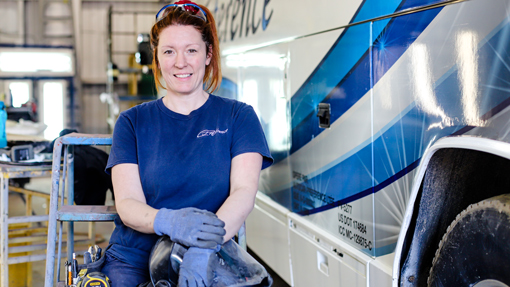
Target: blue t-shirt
<point x="183" y="160"/>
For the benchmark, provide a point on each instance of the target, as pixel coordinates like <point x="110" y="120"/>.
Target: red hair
<point x="174" y="16"/>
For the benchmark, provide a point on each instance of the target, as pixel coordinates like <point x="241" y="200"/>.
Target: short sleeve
<point x="123" y="144"/>
<point x="248" y="135"/>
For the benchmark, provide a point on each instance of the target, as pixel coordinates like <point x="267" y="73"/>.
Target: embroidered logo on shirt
<point x="211" y="133"/>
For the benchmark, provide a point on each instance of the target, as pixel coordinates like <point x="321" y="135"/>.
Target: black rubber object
<point x="164" y="261"/>
<point x="475" y="247"/>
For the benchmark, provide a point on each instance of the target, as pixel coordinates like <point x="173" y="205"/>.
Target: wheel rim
<point x="490" y="283"/>
<point x="459" y="263"/>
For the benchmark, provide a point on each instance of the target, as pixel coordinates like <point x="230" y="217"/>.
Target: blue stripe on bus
<point x="418" y="3"/>
<point x="365" y="192"/>
<point x="340" y="59"/>
<point x="402" y="31"/>
<point x="401" y="145"/>
<point x="349" y="197"/>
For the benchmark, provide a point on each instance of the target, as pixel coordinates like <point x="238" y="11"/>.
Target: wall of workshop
<point x="128" y="20"/>
<point x="9" y="24"/>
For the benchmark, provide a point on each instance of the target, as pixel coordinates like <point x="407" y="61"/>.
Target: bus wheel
<point x="475" y="250"/>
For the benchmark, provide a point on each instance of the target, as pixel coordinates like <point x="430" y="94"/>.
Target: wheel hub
<point x="490" y="283"/>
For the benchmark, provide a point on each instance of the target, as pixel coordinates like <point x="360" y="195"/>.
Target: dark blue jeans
<point x="122" y="274"/>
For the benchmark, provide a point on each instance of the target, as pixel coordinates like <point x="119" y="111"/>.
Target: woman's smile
<point x="181" y="76"/>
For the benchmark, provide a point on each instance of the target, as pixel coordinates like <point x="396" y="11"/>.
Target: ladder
<point x="68" y="212"/>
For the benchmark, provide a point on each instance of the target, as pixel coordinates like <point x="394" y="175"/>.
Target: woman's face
<point x="182" y="56"/>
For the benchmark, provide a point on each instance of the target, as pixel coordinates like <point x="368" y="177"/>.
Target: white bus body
<point x="400" y="80"/>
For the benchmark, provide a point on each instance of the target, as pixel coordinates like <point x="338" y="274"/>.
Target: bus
<point x="389" y="125"/>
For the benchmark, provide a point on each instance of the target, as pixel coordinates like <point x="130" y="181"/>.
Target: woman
<point x="186" y="165"/>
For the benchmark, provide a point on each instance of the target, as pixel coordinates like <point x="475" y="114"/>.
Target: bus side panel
<point x="419" y="96"/>
<point x="443" y="84"/>
<point x="394" y="86"/>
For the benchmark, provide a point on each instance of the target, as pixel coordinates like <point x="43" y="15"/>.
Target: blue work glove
<point x="190" y="227"/>
<point x="195" y="269"/>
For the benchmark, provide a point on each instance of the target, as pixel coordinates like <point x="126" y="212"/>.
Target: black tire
<point x="476" y="247"/>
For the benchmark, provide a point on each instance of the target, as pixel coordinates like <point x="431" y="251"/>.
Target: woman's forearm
<point x="244" y="181"/>
<point x="235" y="210"/>
<point x="129" y="199"/>
<point x="136" y="214"/>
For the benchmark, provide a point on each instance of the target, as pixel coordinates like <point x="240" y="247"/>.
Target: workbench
<point x="8" y="171"/>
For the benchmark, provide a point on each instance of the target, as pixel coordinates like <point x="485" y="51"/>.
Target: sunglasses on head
<point x="195" y="10"/>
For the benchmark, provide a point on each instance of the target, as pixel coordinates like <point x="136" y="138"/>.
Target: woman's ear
<point x="209" y="55"/>
<point x="155" y="59"/>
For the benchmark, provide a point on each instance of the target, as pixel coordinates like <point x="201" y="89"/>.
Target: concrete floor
<point x="103" y="230"/>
